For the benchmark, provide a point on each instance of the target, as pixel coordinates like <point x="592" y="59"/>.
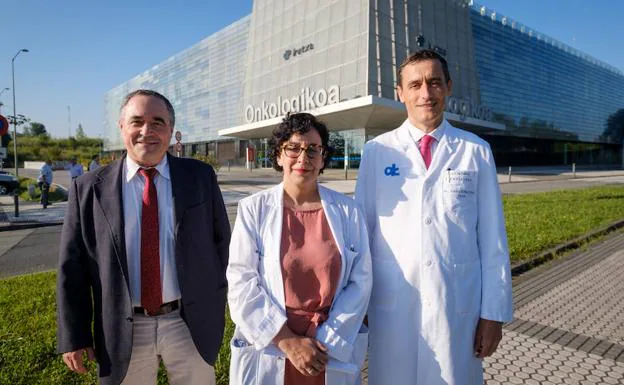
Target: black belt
<point x="165" y="308"/>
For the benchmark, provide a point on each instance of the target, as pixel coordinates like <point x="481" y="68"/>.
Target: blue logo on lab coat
<point x="392" y="170"/>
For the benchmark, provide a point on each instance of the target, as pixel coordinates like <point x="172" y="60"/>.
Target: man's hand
<point x="307" y="355"/>
<point x="74" y="360"/>
<point x="488" y="335"/>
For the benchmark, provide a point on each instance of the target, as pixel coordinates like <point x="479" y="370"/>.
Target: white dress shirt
<point x="417" y="134"/>
<point x="75" y="170"/>
<point x="94" y="165"/>
<point x="132" y="188"/>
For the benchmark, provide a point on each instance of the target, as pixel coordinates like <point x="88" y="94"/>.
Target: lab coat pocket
<point x="350" y="254"/>
<point x="460" y="192"/>
<point x="350" y="373"/>
<point x="243" y="361"/>
<point x="467" y="284"/>
<point x="360" y="347"/>
<point x="385" y="283"/>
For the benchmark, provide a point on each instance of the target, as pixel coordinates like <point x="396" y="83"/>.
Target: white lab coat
<point x="439" y="252"/>
<point x="256" y="288"/>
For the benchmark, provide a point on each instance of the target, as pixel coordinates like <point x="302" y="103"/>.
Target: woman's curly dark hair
<point x="296" y="123"/>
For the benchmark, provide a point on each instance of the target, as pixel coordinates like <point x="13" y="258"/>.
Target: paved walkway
<point x="569" y="322"/>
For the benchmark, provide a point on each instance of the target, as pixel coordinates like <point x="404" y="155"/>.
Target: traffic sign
<point x="178" y="147"/>
<point x="178" y="136"/>
<point x="4" y="126"/>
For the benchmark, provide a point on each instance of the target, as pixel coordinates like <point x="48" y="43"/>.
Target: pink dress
<point x="311" y="265"/>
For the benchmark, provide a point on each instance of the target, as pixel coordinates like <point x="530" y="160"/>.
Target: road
<point x="60" y="177"/>
<point x="36" y="250"/>
<point x="33" y="250"/>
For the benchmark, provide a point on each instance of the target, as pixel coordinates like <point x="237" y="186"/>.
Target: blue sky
<point x="80" y="49"/>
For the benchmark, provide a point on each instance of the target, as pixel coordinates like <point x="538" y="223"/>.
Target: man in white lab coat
<point x="441" y="276"/>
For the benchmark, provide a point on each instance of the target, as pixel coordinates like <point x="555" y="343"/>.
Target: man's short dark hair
<point x="296" y="123"/>
<point x="155" y="94"/>
<point x="425" y="54"/>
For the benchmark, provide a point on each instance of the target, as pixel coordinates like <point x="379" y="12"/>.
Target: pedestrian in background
<point x="44" y="181"/>
<point x="143" y="253"/>
<point x="75" y="169"/>
<point x="441" y="282"/>
<point x="95" y="163"/>
<point x="299" y="273"/>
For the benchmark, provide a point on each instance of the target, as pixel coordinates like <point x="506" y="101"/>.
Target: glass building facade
<point x="204" y="84"/>
<point x="536" y="100"/>
<point x="554" y="101"/>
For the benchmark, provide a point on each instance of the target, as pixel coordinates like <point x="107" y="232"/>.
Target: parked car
<point x="8" y="183"/>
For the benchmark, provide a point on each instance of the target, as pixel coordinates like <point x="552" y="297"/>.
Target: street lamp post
<point x="14" y="113"/>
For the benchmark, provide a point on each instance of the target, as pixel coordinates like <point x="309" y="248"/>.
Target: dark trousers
<point x="45" y="188"/>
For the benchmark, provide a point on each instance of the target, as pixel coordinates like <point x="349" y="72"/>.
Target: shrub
<point x="55" y="194"/>
<point x="211" y="160"/>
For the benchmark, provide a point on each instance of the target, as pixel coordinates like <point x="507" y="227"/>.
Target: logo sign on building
<point x="4" y="126"/>
<point x="297" y="51"/>
<point x="306" y="100"/>
<point x="467" y="108"/>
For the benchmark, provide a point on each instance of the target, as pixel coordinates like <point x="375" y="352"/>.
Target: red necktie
<point x="425" y="149"/>
<point x="151" y="293"/>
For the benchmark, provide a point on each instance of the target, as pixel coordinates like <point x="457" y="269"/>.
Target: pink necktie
<point x="425" y="149"/>
<point x="151" y="292"/>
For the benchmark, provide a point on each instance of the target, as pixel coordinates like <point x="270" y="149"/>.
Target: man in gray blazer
<point x="143" y="254"/>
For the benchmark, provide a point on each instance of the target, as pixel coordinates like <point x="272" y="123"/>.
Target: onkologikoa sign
<point x="306" y="100"/>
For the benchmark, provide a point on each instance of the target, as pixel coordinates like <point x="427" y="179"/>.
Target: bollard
<point x="16" y="202"/>
<point x="509" y="179"/>
<point x="573" y="170"/>
<point x="229" y="165"/>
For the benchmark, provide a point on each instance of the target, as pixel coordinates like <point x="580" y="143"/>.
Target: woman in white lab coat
<point x="299" y="272"/>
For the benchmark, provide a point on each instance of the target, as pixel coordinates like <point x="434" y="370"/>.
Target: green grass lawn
<point x="54" y="195"/>
<point x="536" y="222"/>
<point x="28" y="336"/>
<point x="27" y="317"/>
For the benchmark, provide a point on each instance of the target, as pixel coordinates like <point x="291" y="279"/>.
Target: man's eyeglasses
<point x="313" y="151"/>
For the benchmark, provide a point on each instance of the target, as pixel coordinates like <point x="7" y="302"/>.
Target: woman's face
<point x="302" y="158"/>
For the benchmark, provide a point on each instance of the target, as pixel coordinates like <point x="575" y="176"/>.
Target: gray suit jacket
<point x="94" y="308"/>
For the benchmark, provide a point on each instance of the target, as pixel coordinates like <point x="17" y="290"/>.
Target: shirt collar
<point x="417" y="134"/>
<point x="132" y="168"/>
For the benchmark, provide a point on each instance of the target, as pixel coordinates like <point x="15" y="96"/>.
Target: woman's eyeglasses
<point x="313" y="151"/>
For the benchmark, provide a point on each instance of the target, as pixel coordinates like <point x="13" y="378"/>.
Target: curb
<point x="548" y="255"/>
<point x="28" y="225"/>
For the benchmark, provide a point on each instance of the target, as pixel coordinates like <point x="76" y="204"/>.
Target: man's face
<point x="423" y="89"/>
<point x="146" y="129"/>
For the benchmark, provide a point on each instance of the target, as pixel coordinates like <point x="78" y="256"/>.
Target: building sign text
<point x="305" y="101"/>
<point x="468" y="109"/>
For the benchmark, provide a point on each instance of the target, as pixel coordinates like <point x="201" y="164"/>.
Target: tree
<point x="35" y="129"/>
<point x="614" y="131"/>
<point x="80" y="134"/>
<point x="21" y="119"/>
